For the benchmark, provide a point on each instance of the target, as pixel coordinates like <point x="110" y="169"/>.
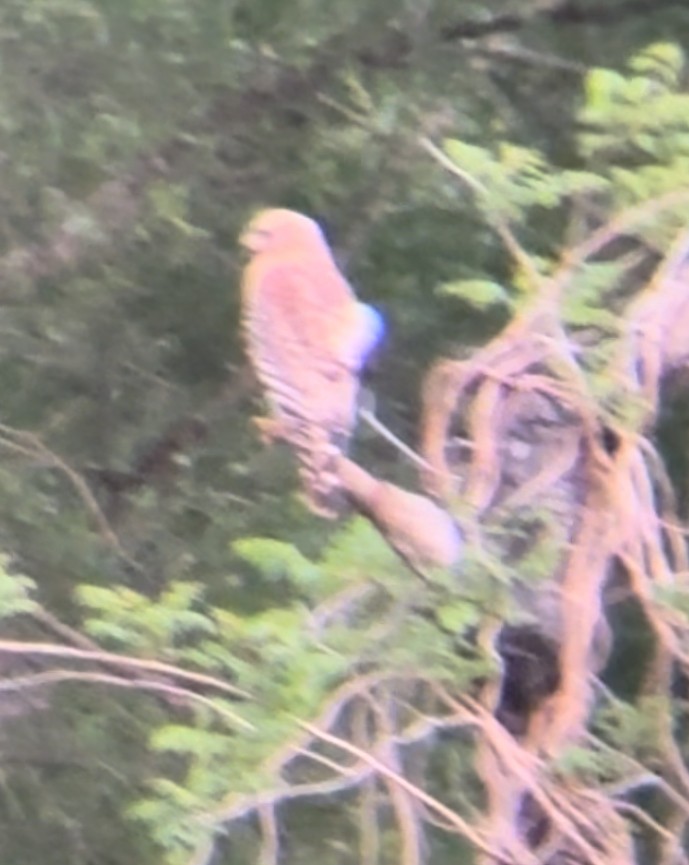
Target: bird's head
<point x="278" y="229"/>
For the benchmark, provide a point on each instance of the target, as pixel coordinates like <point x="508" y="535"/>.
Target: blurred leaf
<point x="479" y="293"/>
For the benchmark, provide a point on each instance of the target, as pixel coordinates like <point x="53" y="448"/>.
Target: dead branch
<point x="54" y="677"/>
<point x="52" y="650"/>
<point x="516" y="430"/>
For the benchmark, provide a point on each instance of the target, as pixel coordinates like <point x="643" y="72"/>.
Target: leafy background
<point x="136" y="137"/>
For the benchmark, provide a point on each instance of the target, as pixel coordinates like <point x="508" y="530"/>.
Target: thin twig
<point x="618" y="225"/>
<point x="53" y="677"/>
<point x="52" y="650"/>
<point x="416" y="792"/>
<point x="369" y="418"/>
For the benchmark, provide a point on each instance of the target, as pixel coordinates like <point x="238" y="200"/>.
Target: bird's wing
<point x="293" y="319"/>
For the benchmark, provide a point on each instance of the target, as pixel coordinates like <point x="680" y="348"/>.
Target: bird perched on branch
<point x="421" y="533"/>
<point x="308" y="339"/>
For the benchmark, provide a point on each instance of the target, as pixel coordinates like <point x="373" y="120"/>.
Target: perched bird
<point x="419" y="531"/>
<point x="308" y="338"/>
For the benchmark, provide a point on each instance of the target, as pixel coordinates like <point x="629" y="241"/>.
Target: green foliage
<point x="137" y="136"/>
<point x="278" y="561"/>
<point x="583" y="764"/>
<point x="633" y="730"/>
<point x="633" y="142"/>
<point x="292" y="659"/>
<point x="15" y="592"/>
<point x="128" y="620"/>
<point x="624" y="745"/>
<point x="458" y="616"/>
<point x="513" y="180"/>
<point x="587" y="304"/>
<point x="636" y="132"/>
<point x="358" y="550"/>
<point x="479" y="293"/>
<point x="162" y="814"/>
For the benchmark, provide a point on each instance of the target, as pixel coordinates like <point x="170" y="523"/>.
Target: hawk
<point x="308" y="338"/>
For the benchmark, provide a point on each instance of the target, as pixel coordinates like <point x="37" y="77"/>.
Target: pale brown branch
<point x="386" y="749"/>
<point x="415" y="792"/>
<point x="63" y="631"/>
<point x="619" y="224"/>
<point x="50" y="650"/>
<point x="529" y="770"/>
<point x="642" y="817"/>
<point x="322" y="760"/>
<point x="270" y="835"/>
<point x="644" y="775"/>
<point x="53" y="677"/>
<point x="369" y="834"/>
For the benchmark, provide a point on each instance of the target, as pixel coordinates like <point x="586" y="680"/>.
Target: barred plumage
<point x="307" y="338"/>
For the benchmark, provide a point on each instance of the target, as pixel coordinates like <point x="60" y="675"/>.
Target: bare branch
<point x="53" y="677"/>
<point x="50" y="650"/>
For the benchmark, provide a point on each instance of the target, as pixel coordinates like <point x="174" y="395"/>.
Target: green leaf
<point x="458" y="616"/>
<point x="602" y="85"/>
<point x="15" y="591"/>
<point x="479" y="293"/>
<point x="663" y="61"/>
<point x="277" y="561"/>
